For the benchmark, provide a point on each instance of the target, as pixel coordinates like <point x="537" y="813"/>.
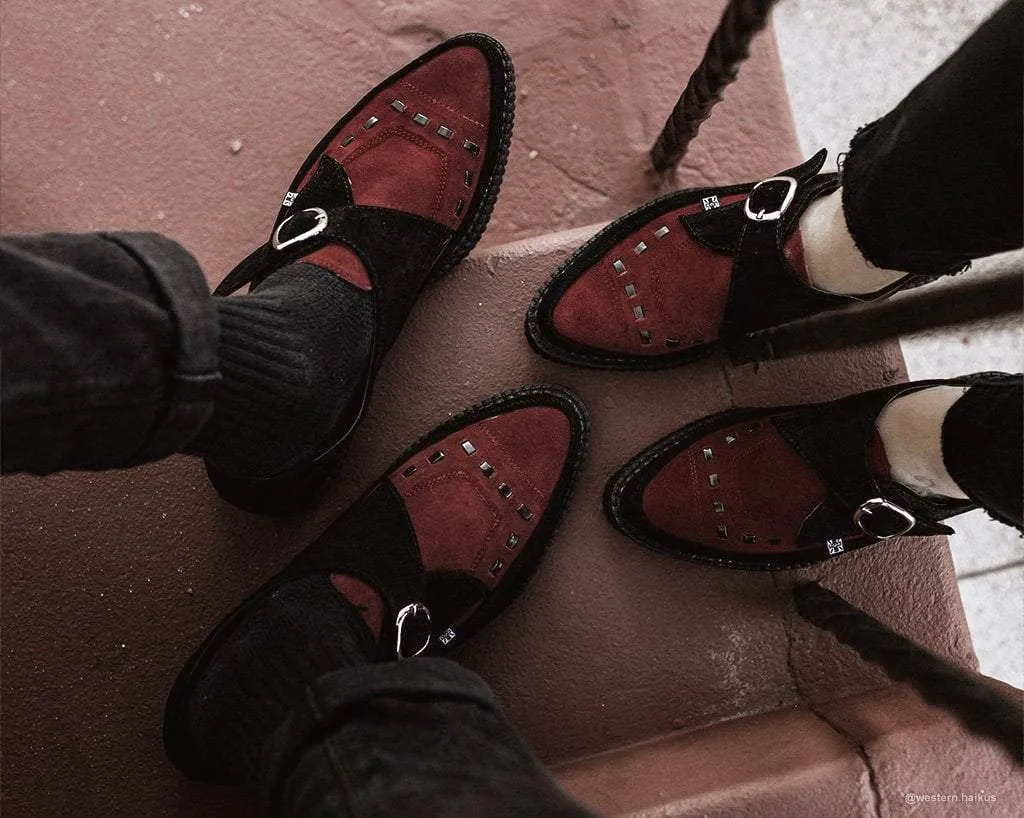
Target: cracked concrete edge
<point x="916" y="749"/>
<point x="788" y="762"/>
<point x="873" y="752"/>
<point x="868" y="796"/>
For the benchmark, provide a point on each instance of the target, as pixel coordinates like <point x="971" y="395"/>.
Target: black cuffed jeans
<point x="109" y="350"/>
<point x="937" y="181"/>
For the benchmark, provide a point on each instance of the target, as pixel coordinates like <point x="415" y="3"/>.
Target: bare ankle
<point x="911" y="431"/>
<point x="834" y="262"/>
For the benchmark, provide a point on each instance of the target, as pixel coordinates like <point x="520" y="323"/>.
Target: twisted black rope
<point x="977" y="705"/>
<point x="875" y="321"/>
<point x="729" y="46"/>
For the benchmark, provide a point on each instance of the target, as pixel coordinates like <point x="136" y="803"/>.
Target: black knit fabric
<point x="303" y="630"/>
<point x="982" y="445"/>
<point x="292" y="356"/>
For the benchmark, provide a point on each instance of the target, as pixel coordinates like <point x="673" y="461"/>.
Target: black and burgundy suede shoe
<point x="393" y="197"/>
<point x="686" y="274"/>
<point x="434" y="550"/>
<point x="779" y="487"/>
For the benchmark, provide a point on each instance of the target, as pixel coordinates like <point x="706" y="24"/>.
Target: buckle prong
<point x="315" y="230"/>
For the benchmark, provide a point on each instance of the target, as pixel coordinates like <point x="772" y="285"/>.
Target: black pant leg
<point x="983" y="446"/>
<point x="109" y="350"/>
<point x="420" y="737"/>
<point x="938" y="180"/>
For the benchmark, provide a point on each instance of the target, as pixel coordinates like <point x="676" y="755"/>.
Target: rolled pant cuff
<point x="194" y="377"/>
<point x="332" y="697"/>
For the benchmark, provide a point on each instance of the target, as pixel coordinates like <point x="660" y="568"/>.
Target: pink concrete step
<point x="109" y="581"/>
<point x="885" y="752"/>
<point x="191" y="118"/>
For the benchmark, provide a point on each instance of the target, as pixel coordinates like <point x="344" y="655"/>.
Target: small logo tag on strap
<point x="834" y="546"/>
<point x="289" y="198"/>
<point x="710" y="202"/>
<point x="447" y="637"/>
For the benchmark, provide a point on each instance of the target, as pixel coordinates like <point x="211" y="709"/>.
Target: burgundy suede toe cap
<point x="741" y="488"/>
<point x="649" y="290"/>
<point x="476" y="496"/>
<point x="418" y="144"/>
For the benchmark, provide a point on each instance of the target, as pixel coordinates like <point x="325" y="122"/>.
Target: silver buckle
<point x="315" y="230"/>
<point x="862" y="517"/>
<point x="771" y="215"/>
<point x="413" y="609"/>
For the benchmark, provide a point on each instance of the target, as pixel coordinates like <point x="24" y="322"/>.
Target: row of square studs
<point x="619" y="266"/>
<point x="442" y="130"/>
<point x="504" y="489"/>
<point x="718" y="505"/>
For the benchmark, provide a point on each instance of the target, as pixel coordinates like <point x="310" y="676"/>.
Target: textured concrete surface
<point x="921" y="762"/>
<point x="908" y="752"/>
<point x="130" y="119"/>
<point x="994" y="604"/>
<point x="874" y="53"/>
<point x="737" y="768"/>
<point x="133" y="119"/>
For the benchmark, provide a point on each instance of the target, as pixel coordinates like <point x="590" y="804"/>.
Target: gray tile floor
<point x="846" y="64"/>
